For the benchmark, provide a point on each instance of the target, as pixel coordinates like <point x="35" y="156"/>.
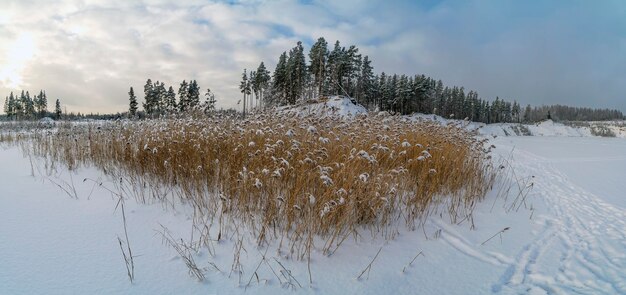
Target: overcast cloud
<point x="87" y="53"/>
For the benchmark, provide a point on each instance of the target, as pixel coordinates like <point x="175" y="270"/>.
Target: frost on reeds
<point x="296" y="179"/>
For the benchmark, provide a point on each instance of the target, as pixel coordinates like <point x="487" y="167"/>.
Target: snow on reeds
<point x="306" y="181"/>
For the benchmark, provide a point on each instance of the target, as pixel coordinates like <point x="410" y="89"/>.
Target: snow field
<point x="553" y="224"/>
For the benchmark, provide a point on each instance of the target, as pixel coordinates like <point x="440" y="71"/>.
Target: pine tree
<point x="280" y="79"/>
<point x="319" y="58"/>
<point x="132" y="104"/>
<point x="263" y="80"/>
<point x="57" y="110"/>
<point x="296" y="73"/>
<point x="243" y="87"/>
<point x="335" y="68"/>
<point x="253" y="84"/>
<point x="366" y="77"/>
<point x="352" y="65"/>
<point x="249" y="92"/>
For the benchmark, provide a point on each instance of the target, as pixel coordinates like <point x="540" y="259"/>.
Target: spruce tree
<point x="42" y="104"/>
<point x="170" y="101"/>
<point x="12" y="106"/>
<point x="183" y="96"/>
<point x="160" y="97"/>
<point x="383" y="100"/>
<point x="132" y="104"/>
<point x="148" y="90"/>
<point x="57" y="109"/>
<point x="36" y="102"/>
<point x="193" y="95"/>
<point x="29" y="106"/>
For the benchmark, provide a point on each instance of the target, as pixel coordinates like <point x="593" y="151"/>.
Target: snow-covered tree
<point x="149" y="96"/>
<point x="170" y="101"/>
<point x="193" y="95"/>
<point x="183" y="96"/>
<point x="209" y="104"/>
<point x="41" y="103"/>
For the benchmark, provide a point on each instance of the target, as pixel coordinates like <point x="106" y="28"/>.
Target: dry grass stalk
<point x="185" y="252"/>
<point x="412" y="260"/>
<point x="368" y="268"/>
<point x="295" y="179"/>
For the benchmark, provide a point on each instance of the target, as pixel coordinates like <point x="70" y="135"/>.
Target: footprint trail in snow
<point x="579" y="246"/>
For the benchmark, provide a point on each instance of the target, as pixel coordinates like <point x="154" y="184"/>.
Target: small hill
<point x="340" y="106"/>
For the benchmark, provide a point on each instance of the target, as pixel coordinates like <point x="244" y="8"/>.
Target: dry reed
<point x="296" y="179"/>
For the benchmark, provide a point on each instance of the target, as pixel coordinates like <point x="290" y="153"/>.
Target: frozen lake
<point x="596" y="164"/>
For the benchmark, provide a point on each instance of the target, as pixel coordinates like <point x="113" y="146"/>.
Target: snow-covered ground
<point x="544" y="128"/>
<point x="579" y="240"/>
<point x="328" y="106"/>
<point x="567" y="236"/>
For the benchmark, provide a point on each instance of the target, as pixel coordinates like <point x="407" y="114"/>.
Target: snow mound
<point x="46" y="120"/>
<point x="550" y="128"/>
<point x="340" y="106"/>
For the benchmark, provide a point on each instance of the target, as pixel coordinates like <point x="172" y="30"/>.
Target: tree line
<point x="25" y="107"/>
<point x="159" y="100"/>
<point x="567" y="113"/>
<point x="344" y="71"/>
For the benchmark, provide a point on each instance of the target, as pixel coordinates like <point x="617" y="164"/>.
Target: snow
<point x="345" y="107"/>
<point x="55" y="244"/>
<point x="597" y="164"/>
<point x="544" y="128"/>
<point x="568" y="235"/>
<point x="579" y="241"/>
<point x="340" y="106"/>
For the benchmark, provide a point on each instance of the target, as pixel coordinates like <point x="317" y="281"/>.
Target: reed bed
<point x="308" y="182"/>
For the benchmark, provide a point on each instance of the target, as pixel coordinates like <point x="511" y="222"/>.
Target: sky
<point x="87" y="53"/>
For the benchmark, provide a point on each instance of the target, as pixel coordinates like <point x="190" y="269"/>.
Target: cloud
<point x="87" y="53"/>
